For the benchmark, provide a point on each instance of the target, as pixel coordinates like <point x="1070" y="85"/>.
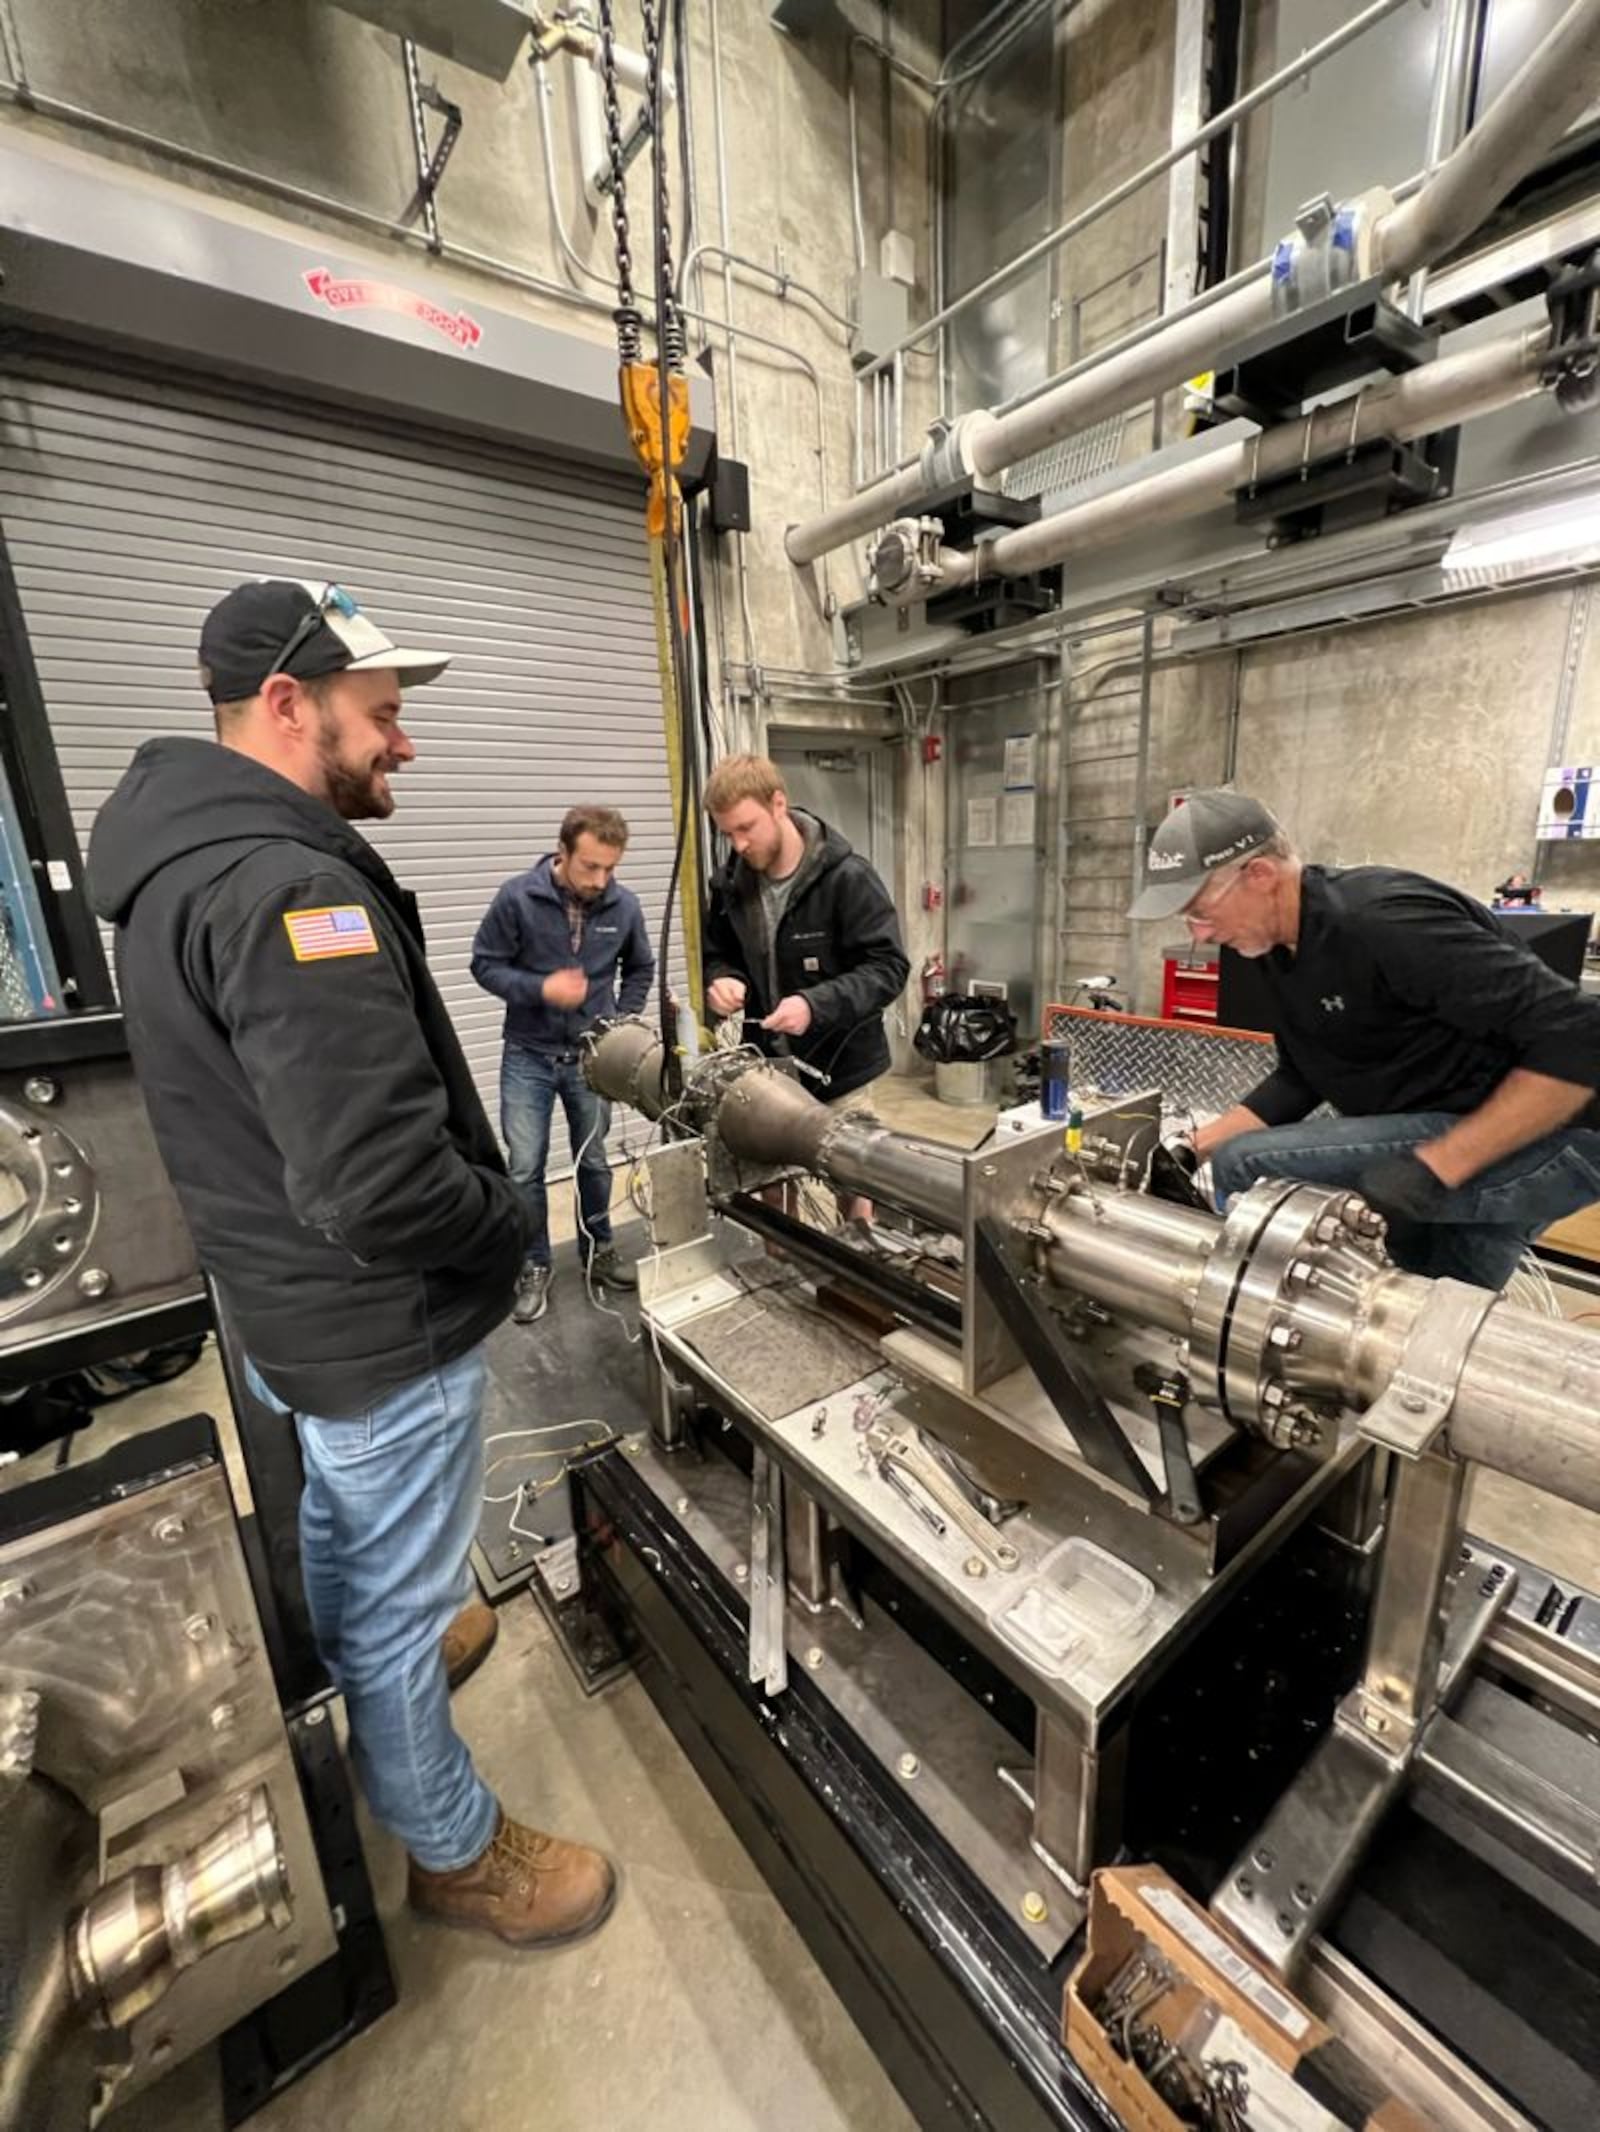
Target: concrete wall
<point x="300" y="92"/>
<point x="1420" y="739"/>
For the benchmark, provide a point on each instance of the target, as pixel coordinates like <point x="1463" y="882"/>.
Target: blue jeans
<point x="530" y="1083"/>
<point x="1483" y="1227"/>
<point x="387" y="1515"/>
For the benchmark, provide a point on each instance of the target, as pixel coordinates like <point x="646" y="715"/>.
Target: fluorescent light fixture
<point x="1557" y="536"/>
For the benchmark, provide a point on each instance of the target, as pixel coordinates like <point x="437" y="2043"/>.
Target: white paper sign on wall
<point x="1569" y="806"/>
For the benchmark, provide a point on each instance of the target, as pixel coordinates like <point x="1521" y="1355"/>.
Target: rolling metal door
<point x="131" y="504"/>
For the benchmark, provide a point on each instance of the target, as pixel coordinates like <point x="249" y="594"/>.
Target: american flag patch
<point x="316" y="936"/>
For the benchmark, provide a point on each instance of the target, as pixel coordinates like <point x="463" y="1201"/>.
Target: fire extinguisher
<point x="933" y="979"/>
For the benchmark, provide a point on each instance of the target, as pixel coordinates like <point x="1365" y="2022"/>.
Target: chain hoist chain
<point x="630" y="341"/>
<point x="669" y="324"/>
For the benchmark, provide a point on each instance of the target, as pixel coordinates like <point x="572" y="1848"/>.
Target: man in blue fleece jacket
<point x="564" y="945"/>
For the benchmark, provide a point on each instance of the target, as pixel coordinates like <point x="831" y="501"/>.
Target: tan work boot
<point x="529" y="1889"/>
<point x="469" y="1640"/>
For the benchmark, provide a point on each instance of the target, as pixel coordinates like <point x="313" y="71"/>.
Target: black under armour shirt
<point x="1404" y="995"/>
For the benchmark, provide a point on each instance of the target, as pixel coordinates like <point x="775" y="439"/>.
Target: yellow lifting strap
<point x="641" y="409"/>
<point x="677" y="771"/>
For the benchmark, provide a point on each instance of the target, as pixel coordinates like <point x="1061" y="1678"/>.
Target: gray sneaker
<point x="533" y="1293"/>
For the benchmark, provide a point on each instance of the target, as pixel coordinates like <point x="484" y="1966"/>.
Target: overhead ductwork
<point x="1535" y="109"/>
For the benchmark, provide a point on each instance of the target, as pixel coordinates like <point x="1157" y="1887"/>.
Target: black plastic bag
<point x="957" y="1031"/>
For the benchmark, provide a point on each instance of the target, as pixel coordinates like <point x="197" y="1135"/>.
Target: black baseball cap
<point x="283" y="625"/>
<point x="1203" y="832"/>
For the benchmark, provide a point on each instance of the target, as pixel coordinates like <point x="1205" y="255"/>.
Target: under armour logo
<point x="1333" y="1003"/>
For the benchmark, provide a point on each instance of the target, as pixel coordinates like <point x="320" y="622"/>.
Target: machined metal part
<point x="902" y="1705"/>
<point x="1401" y="2050"/>
<point x="1292" y="1873"/>
<point x="1016" y="1301"/>
<point x="1414" y="1406"/>
<point x="135" y="1626"/>
<point x="1290" y="1315"/>
<point x="769" y="1661"/>
<point x="1284" y="1355"/>
<point x="91" y="1233"/>
<point x="1422" y="1558"/>
<point x="1168" y="1392"/>
<point x="679" y="1211"/>
<point x="1527" y="1780"/>
<point x="134" y="1937"/>
<point x="49" y="1202"/>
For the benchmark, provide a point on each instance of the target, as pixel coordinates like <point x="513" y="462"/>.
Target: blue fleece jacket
<point x="524" y="939"/>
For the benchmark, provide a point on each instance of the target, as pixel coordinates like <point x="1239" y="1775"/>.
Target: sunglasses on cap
<point x="334" y="600"/>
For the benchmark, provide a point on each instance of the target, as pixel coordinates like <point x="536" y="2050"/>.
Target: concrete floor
<point x="698" y="2008"/>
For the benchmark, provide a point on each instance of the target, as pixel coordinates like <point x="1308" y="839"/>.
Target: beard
<point x="354" y="795"/>
<point x="761" y="858"/>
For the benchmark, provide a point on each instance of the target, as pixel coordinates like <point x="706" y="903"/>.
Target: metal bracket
<point x="1049" y="1355"/>
<point x="430" y="163"/>
<point x="1415" y="1404"/>
<point x="1168" y="1393"/>
<point x="1288" y="1879"/>
<point x="769" y="1656"/>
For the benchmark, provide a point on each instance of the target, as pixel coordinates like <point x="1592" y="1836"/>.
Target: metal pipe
<point x="1250" y="307"/>
<point x="741" y="571"/>
<point x="857" y="222"/>
<point x="1551" y="89"/>
<point x="921" y="1176"/>
<point x="1455" y="389"/>
<point x="1528" y="1397"/>
<point x="783" y="282"/>
<point x="1158" y="166"/>
<point x="1459" y="40"/>
<point x="1141" y="1257"/>
<point x="1534" y="110"/>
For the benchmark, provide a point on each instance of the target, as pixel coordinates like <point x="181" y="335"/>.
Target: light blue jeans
<point x="531" y="1084"/>
<point x="1482" y="1229"/>
<point x="388" y="1512"/>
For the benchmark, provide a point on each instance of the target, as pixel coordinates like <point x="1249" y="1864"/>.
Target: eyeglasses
<point x="334" y="600"/>
<point x="1201" y="912"/>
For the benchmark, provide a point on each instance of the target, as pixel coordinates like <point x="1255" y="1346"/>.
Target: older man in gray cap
<point x="1463" y="1072"/>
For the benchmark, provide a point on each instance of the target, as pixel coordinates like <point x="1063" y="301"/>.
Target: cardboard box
<point x="1302" y="2079"/>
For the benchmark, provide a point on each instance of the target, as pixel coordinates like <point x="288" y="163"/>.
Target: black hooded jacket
<point x="307" y="1089"/>
<point x="838" y="945"/>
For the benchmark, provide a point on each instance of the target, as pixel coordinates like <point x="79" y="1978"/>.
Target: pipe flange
<point x="1330" y="248"/>
<point x="1277" y="1300"/>
<point x="48" y="1211"/>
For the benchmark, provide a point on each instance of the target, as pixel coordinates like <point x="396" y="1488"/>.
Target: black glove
<point x="1403" y="1188"/>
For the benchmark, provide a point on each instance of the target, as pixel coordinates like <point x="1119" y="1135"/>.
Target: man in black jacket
<point x="1463" y="1070"/>
<point x="344" y="1189"/>
<point x="801" y="937"/>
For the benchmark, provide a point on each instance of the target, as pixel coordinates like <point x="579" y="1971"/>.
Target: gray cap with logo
<point x="1203" y="832"/>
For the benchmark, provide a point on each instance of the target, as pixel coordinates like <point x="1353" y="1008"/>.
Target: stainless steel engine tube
<point x="1287" y="1306"/>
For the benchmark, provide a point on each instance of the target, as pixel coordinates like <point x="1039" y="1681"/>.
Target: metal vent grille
<point x="1062" y="466"/>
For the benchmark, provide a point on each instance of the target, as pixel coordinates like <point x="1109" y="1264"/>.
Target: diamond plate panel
<point x="1197" y="1069"/>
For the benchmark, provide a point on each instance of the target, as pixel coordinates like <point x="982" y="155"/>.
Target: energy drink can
<point x="1053" y="1081"/>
